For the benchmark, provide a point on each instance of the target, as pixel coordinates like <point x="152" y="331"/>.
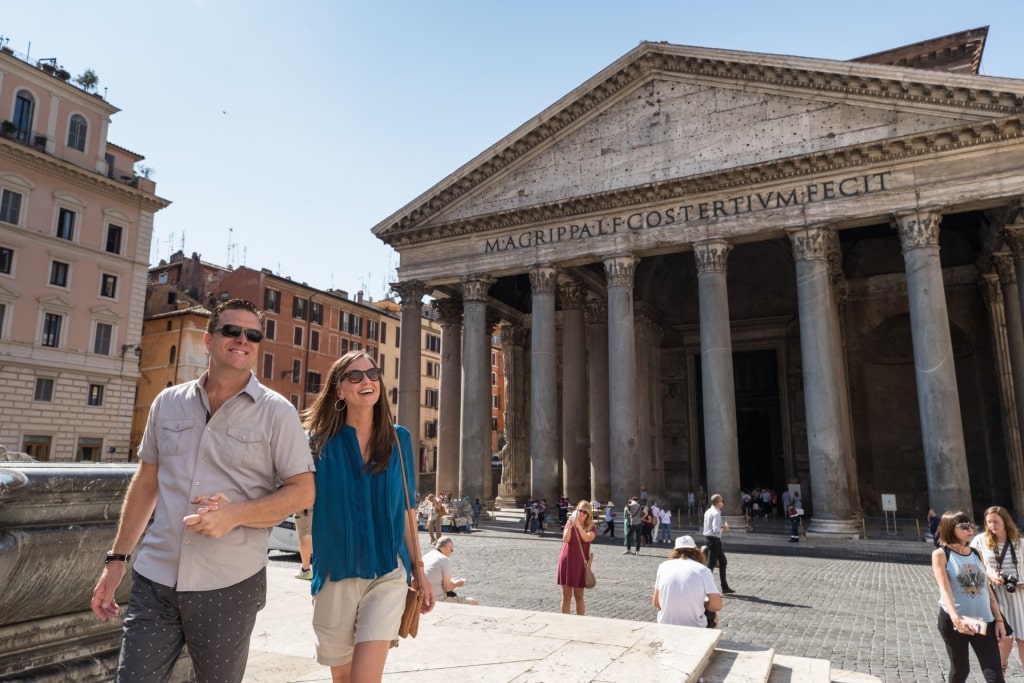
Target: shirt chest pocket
<point x="248" y="447"/>
<point x="174" y="436"/>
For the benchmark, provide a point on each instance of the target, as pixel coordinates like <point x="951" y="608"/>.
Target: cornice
<point x="954" y="138"/>
<point x="24" y="157"/>
<point x="888" y="85"/>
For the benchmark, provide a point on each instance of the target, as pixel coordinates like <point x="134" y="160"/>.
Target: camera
<point x="1009" y="582"/>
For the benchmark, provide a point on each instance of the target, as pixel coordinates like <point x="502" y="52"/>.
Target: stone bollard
<point x="57" y="520"/>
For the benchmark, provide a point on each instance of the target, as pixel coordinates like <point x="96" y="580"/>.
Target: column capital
<point x="1003" y="261"/>
<point x="410" y="292"/>
<point x="572" y="294"/>
<point x="810" y="243"/>
<point x="991" y="290"/>
<point x="449" y="311"/>
<point x="711" y="255"/>
<point x="619" y="270"/>
<point x="513" y="335"/>
<point x="918" y="228"/>
<point x="1013" y="235"/>
<point x="596" y="310"/>
<point x="474" y="287"/>
<point x="543" y="279"/>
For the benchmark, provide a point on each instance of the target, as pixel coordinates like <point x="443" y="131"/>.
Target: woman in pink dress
<point x="576" y="538"/>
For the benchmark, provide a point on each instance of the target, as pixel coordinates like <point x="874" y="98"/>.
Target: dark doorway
<point x="758" y="419"/>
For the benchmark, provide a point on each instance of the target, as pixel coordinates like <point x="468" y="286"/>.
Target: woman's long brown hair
<point x="323" y="421"/>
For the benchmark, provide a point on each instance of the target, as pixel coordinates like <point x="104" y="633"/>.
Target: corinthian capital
<point x="449" y="311"/>
<point x="410" y="292"/>
<point x="1003" y="261"/>
<point x="918" y="228"/>
<point x="474" y="287"/>
<point x="619" y="270"/>
<point x="572" y="294"/>
<point x="810" y="243"/>
<point x="543" y="279"/>
<point x="711" y="255"/>
<point x="1014" y="237"/>
<point x="596" y="310"/>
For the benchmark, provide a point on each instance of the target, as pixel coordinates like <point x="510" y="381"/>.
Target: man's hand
<point x="104" y="606"/>
<point x="212" y="516"/>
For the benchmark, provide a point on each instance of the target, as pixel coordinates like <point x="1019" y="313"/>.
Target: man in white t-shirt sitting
<point x="437" y="565"/>
<point x="684" y="589"/>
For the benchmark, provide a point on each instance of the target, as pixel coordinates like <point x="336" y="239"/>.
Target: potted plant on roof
<point x="62" y="73"/>
<point x="87" y="80"/>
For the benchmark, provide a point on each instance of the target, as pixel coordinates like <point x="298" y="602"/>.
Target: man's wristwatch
<point x="115" y="557"/>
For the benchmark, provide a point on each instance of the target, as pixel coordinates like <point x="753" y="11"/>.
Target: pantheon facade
<point x="724" y="269"/>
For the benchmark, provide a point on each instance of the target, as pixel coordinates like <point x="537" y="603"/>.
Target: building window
<point x="296" y="370"/>
<point x="495" y="401"/>
<point x="372" y="350"/>
<point x="297" y="336"/>
<point x="398" y="337"/>
<point x="312" y="382"/>
<point x="380" y="364"/>
<point x="299" y="307"/>
<point x="59" y="274"/>
<point x="6" y="260"/>
<point x="494" y="358"/>
<point x="295" y="401"/>
<point x="394" y="395"/>
<point x="95" y="394"/>
<point x="10" y="207"/>
<point x="494" y="380"/>
<point x="272" y="300"/>
<point x="383" y="333"/>
<point x="268" y="366"/>
<point x="3" y="316"/>
<point x="51" y="329"/>
<point x="430" y="399"/>
<point x="172" y="355"/>
<point x="89" y="449"/>
<point x="352" y="324"/>
<point x="271" y="329"/>
<point x="372" y="327"/>
<point x="114" y="235"/>
<point x="101" y="342"/>
<point x="37" y="446"/>
<point x="344" y="346"/>
<point x="24" y="112"/>
<point x="316" y="313"/>
<point x="433" y="343"/>
<point x="314" y="340"/>
<point x="44" y="389"/>
<point x="66" y="224"/>
<point x="76" y="132"/>
<point x="108" y="286"/>
<point x="430" y="429"/>
<point x="494" y="424"/>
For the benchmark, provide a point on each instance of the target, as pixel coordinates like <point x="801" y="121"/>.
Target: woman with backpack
<point x="968" y="613"/>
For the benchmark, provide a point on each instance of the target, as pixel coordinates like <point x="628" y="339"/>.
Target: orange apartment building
<point x="76" y="225"/>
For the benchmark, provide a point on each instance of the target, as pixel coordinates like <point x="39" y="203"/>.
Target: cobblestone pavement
<point x="874" y="615"/>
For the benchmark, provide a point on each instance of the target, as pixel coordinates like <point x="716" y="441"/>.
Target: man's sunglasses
<point x="356" y="376"/>
<point x="234" y="331"/>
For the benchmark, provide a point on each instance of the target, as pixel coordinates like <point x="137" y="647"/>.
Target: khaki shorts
<point x="354" y="611"/>
<point x="304" y="523"/>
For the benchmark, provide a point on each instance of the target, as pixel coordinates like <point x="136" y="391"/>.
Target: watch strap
<point x="116" y="557"/>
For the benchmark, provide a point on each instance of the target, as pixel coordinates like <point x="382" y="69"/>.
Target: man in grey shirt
<point x="211" y="457"/>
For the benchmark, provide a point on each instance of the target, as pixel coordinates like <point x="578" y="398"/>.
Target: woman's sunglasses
<point x="965" y="526"/>
<point x="235" y="331"/>
<point x="356" y="376"/>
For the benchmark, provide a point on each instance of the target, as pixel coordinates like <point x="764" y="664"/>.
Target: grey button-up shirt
<point x="253" y="442"/>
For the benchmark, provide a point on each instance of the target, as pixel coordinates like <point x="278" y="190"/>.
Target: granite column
<point x="575" y="440"/>
<point x="449" y="313"/>
<point x="475" y="456"/>
<point x="597" y="398"/>
<point x="622" y="390"/>
<point x="544" y="477"/>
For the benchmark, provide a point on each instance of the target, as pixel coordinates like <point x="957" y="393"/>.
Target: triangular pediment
<point x="665" y="113"/>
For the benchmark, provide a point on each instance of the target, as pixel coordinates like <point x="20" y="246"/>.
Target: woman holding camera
<point x="577" y="536"/>
<point x="968" y="614"/>
<point x="1001" y="549"/>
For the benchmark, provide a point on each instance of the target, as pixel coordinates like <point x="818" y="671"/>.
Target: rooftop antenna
<point x="170" y="245"/>
<point x="232" y="246"/>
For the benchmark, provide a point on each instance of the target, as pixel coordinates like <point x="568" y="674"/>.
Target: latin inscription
<point x="684" y="214"/>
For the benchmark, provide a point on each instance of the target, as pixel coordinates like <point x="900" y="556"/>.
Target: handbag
<point x="589" y="580"/>
<point x="410" y="624"/>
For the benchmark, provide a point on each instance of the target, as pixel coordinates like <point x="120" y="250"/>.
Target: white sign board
<point x="889" y="502"/>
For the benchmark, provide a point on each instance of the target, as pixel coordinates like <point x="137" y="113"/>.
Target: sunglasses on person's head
<point x="234" y="331"/>
<point x="356" y="376"/>
<point x="965" y="526"/>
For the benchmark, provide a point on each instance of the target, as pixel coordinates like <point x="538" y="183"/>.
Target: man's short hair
<point x="717" y="498"/>
<point x="443" y="541"/>
<point x="232" y="305"/>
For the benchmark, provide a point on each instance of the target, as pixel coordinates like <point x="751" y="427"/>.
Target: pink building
<point x="75" y="229"/>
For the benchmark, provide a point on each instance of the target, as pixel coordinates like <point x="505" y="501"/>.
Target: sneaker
<point x="627" y="552"/>
<point x="305" y="575"/>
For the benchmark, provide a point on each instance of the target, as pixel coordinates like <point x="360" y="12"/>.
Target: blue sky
<point x="284" y="131"/>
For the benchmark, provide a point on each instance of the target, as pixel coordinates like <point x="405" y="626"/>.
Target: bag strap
<point x="1013" y="554"/>
<point x="579" y="543"/>
<point x="417" y="561"/>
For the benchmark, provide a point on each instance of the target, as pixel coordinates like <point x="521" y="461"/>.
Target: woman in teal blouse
<point x="364" y="527"/>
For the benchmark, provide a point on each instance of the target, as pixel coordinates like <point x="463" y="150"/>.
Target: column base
<point x="833" y="528"/>
<point x="511" y="496"/>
